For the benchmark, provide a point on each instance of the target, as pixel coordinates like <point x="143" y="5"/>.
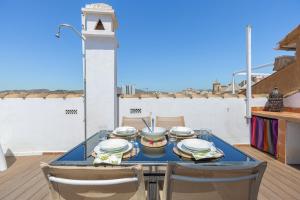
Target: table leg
<point x="153" y="188"/>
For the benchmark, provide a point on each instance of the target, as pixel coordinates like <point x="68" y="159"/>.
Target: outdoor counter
<point x="288" y="134"/>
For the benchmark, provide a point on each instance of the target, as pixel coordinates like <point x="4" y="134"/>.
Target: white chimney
<point x="98" y="26"/>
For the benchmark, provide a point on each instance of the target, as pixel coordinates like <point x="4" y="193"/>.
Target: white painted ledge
<point x="108" y="34"/>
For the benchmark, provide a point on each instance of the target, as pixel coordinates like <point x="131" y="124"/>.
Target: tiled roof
<point x="292" y="93"/>
<point x="289" y="41"/>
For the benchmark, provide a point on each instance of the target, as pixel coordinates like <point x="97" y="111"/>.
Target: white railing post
<point x="249" y="71"/>
<point x="233" y="83"/>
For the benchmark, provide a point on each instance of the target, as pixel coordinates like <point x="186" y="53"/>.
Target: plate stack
<point x="181" y="132"/>
<point x="197" y="149"/>
<point x="191" y="146"/>
<point x="113" y="146"/>
<point x="125" y="131"/>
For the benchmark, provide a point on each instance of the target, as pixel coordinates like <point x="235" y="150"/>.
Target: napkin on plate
<point x="212" y="153"/>
<point x="206" y="154"/>
<point x="109" y="158"/>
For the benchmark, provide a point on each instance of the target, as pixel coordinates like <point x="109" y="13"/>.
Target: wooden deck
<point x="280" y="181"/>
<point x="24" y="180"/>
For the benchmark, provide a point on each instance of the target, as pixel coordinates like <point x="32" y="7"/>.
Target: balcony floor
<point x="24" y="180"/>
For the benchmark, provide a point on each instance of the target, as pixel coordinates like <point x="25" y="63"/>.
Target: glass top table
<point x="80" y="155"/>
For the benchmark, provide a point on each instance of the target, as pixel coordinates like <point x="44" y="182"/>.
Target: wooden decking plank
<point x="47" y="197"/>
<point x="37" y="191"/>
<point x="279" y="175"/>
<point x="281" y="179"/>
<point x="22" y="177"/>
<point x="18" y="184"/>
<point x="43" y="193"/>
<point x="23" y="164"/>
<point x="20" y="165"/>
<point x="280" y="188"/>
<point x="17" y="181"/>
<point x="20" y="191"/>
<point x="286" y="169"/>
<point x="267" y="193"/>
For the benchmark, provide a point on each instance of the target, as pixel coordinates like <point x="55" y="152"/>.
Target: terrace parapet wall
<point x="191" y="96"/>
<point x="49" y="95"/>
<point x="44" y="95"/>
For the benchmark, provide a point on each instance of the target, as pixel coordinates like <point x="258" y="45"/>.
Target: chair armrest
<point x="213" y="180"/>
<point x="92" y="182"/>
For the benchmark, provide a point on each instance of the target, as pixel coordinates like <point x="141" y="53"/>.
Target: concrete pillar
<point x="98" y="27"/>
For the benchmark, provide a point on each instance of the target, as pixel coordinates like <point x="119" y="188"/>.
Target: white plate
<point x="196" y="144"/>
<point x="187" y="151"/>
<point x="125" y="131"/>
<point x="181" y="131"/>
<point x="97" y="149"/>
<point x="113" y="144"/>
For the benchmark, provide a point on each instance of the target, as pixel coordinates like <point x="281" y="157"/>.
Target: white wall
<point x="226" y="117"/>
<point x="36" y="125"/>
<point x="292" y="101"/>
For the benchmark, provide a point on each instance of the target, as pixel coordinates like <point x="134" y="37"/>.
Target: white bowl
<point x="157" y="134"/>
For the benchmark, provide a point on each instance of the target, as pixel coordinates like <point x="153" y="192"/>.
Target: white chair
<point x="3" y="165"/>
<point x="232" y="182"/>
<point x="109" y="183"/>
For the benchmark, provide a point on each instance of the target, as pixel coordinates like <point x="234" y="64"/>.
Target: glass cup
<point x="172" y="139"/>
<point x="102" y="136"/>
<point x="136" y="144"/>
<point x="205" y="134"/>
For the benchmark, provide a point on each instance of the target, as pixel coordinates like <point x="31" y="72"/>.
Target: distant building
<point x="191" y="91"/>
<point x="217" y="88"/>
<point x="255" y="79"/>
<point x="128" y="89"/>
<point x="229" y="88"/>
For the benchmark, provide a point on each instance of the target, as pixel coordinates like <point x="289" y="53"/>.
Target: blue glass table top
<point x="81" y="154"/>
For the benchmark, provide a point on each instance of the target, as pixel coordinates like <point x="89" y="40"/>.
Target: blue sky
<point x="164" y="45"/>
